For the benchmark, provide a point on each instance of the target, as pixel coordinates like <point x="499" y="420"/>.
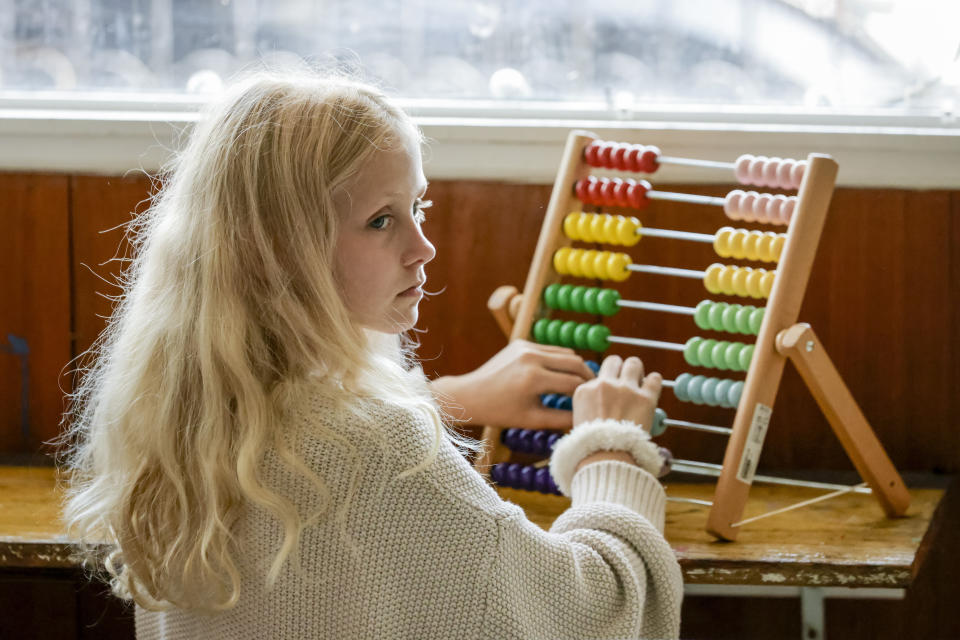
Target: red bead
<point x="648" y="159"/>
<point x="606" y="193"/>
<point x="632" y="159"/>
<point x="637" y="194"/>
<point x="617" y="158"/>
<point x="590" y="153"/>
<point x="620" y="192"/>
<point x="603" y="157"/>
<point x="580" y="189"/>
<point x="593" y="191"/>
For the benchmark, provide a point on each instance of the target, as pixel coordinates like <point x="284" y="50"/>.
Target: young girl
<point x="262" y="456"/>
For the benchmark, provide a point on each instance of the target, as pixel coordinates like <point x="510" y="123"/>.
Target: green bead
<point x="550" y="295"/>
<point x="731" y="356"/>
<point x="680" y="387"/>
<point x="607" y="301"/>
<point x="566" y="333"/>
<point x="756" y="319"/>
<point x="691" y="350"/>
<point x="705" y="352"/>
<point x="597" y="337"/>
<point x="659" y="422"/>
<point x="715" y="317"/>
<point x="590" y="300"/>
<point x="719" y="353"/>
<point x="702" y="313"/>
<point x="553" y="332"/>
<point x="580" y="336"/>
<point x="733" y="396"/>
<point x="746" y="355"/>
<point x="695" y="389"/>
<point x="743" y="319"/>
<point x="576" y="299"/>
<point x="708" y="391"/>
<point x="722" y="392"/>
<point x="563" y="297"/>
<point x="730" y="318"/>
<point x="540" y="331"/>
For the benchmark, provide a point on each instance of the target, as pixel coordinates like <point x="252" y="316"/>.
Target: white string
<point x="803" y="503"/>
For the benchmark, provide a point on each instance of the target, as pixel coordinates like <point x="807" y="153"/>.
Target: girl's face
<point x="381" y="250"/>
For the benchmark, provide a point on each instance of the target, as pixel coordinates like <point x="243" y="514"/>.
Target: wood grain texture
<point x="34" y="307"/>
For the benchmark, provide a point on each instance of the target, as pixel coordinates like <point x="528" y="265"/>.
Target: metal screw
<point x="809" y="346"/>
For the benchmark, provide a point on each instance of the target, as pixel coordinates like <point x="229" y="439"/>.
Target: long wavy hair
<point x="230" y="310"/>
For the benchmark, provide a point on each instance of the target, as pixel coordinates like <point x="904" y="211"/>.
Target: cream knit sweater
<point x="439" y="555"/>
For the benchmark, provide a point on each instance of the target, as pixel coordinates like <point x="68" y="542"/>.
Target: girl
<point x="260" y="454"/>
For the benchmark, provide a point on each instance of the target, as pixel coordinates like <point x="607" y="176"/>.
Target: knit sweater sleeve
<point x="604" y="570"/>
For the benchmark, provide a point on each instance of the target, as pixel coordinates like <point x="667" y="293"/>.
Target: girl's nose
<point x="421" y="250"/>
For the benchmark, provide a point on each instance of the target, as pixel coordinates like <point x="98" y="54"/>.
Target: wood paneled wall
<point x="882" y="297"/>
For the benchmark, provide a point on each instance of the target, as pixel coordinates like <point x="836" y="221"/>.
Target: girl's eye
<point x="380" y="222"/>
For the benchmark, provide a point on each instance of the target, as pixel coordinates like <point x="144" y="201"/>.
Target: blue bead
<point x="527" y="477"/>
<point x="541" y="480"/>
<point x="513" y="475"/>
<point x="549" y="400"/>
<point x="593" y="366"/>
<point x="565" y="403"/>
<point x="498" y="473"/>
<point x="540" y="444"/>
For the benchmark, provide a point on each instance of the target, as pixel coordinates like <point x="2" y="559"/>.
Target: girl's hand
<point x="620" y="392"/>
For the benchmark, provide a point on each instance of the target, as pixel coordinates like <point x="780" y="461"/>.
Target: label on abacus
<point x="754" y="444"/>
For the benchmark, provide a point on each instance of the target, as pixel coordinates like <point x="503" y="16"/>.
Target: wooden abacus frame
<point x="779" y="338"/>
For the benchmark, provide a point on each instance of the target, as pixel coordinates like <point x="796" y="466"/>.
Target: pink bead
<point x="773" y="209"/>
<point x="761" y="208"/>
<point x="590" y="153"/>
<point x="746" y="206"/>
<point x="786" y="212"/>
<point x="796" y="177"/>
<point x="770" y="172"/>
<point x="756" y="170"/>
<point x="742" y="169"/>
<point x="632" y="158"/>
<point x="784" y="181"/>
<point x="731" y="204"/>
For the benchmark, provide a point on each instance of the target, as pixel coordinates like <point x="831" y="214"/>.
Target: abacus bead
<point x="770" y="171"/>
<point x="796" y="176"/>
<point x="607" y="301"/>
<point x="729" y="320"/>
<point x="731" y="204"/>
<point x="600" y="264"/>
<point x="773" y="209"/>
<point x="786" y="211"/>
<point x="576" y="299"/>
<point x="550" y="295"/>
<point x="733" y="396"/>
<point x="694" y="389"/>
<point x="765" y="246"/>
<point x="783" y="174"/>
<point x="560" y="259"/>
<point x="628" y="231"/>
<point x="549" y="400"/>
<point x="606" y="192"/>
<point x="582" y="228"/>
<point x="746" y="206"/>
<point x="603" y="155"/>
<point x="541" y="480"/>
<point x="756" y="319"/>
<point x="738" y="281"/>
<point x="691" y="349"/>
<point x="721" y="241"/>
<point x="750" y="249"/>
<point x="620" y="193"/>
<point x="597" y="223"/>
<point x="711" y="278"/>
<point x="593" y="191"/>
<point x="680" y="387"/>
<point x="525" y="440"/>
<point x="512" y="475"/>
<point x="708" y="391"/>
<point x="648" y="159"/>
<point x="659" y="422"/>
<point x="565" y="403"/>
<point x="580" y="340"/>
<point x="766" y="283"/>
<point x="580" y="189"/>
<point x="540" y="445"/>
<point x="552" y="440"/>
<point x="590" y="153"/>
<point x="756" y="170"/>
<point x="498" y="473"/>
<point x="731" y="356"/>
<point x="742" y="168"/>
<point x="566" y="333"/>
<point x="585" y="264"/>
<point x="570" y="223"/>
<point x="597" y="337"/>
<point x="735" y="243"/>
<point x="593" y="365"/>
<point x="552" y="484"/>
<point x="776" y="248"/>
<point x="722" y="391"/>
<point x="632" y="157"/>
<point x="743" y="319"/>
<point x="563" y="296"/>
<point x="540" y="330"/>
<point x="526" y="477"/>
<point x="701" y="314"/>
<point x="725" y="280"/>
<point x="637" y="194"/>
<point x="509" y="437"/>
<point x="590" y="300"/>
<point x="718" y="354"/>
<point x="753" y="284"/>
<point x="746" y="355"/>
<point x="617" y="157"/>
<point x="553" y="332"/>
<point x="715" y="316"/>
<point x="705" y="352"/>
<point x="609" y="230"/>
<point x="617" y="267"/>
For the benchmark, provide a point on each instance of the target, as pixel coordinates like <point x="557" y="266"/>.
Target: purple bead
<point x="541" y="480"/>
<point x="552" y="440"/>
<point x="526" y="477"/>
<point x="525" y="440"/>
<point x="513" y="475"/>
<point x="509" y="438"/>
<point x="540" y="444"/>
<point x="553" y="486"/>
<point x="498" y="473"/>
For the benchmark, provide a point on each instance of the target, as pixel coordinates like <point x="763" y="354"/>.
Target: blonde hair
<point x="230" y="310"/>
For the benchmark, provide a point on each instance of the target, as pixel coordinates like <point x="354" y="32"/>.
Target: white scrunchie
<point x="602" y="435"/>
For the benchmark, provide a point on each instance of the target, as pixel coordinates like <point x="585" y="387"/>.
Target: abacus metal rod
<point x="685" y="197"/>
<point x="677" y="235"/>
<point x="652" y="344"/>
<point x="657" y="306"/>
<point x="693" y="426"/>
<point x="693" y="162"/>
<point x="696" y="467"/>
<point x="667" y="271"/>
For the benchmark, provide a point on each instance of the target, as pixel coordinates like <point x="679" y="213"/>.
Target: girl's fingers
<point x="557" y="382"/>
<point x="566" y="363"/>
<point x="610" y="367"/>
<point x="632" y="371"/>
<point x="653" y="383"/>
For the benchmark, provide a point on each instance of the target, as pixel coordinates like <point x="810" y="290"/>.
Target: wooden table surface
<point x="844" y="541"/>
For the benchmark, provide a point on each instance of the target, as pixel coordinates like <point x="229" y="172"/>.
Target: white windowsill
<point x="116" y="138"/>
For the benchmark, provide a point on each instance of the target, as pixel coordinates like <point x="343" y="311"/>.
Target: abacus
<point x="778" y="335"/>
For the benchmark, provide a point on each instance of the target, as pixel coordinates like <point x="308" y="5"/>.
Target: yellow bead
<point x="617" y="267"/>
<point x="738" y="282"/>
<point x="753" y="283"/>
<point x="736" y="243"/>
<point x="573" y="262"/>
<point x="610" y="229"/>
<point x="721" y="241"/>
<point x="570" y="225"/>
<point x="711" y="278"/>
<point x="776" y="250"/>
<point x="750" y="251"/>
<point x="597" y="226"/>
<point x="561" y="260"/>
<point x="764" y="246"/>
<point x="629" y="232"/>
<point x="583" y="228"/>
<point x="766" y="283"/>
<point x="586" y="263"/>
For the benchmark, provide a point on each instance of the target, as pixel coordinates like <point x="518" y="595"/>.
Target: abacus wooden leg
<point x="801" y="345"/>
<point x="499" y="306"/>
